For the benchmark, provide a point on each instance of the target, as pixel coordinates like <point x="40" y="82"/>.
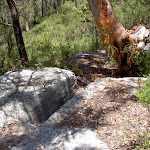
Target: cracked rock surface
<point x="91" y="119"/>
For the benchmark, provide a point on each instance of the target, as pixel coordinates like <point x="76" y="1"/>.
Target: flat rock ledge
<point x="51" y="135"/>
<point x="31" y="96"/>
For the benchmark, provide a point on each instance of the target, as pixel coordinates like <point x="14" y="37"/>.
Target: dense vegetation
<point x="64" y="28"/>
<point x="59" y="33"/>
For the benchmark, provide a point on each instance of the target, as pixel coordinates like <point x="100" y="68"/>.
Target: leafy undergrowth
<point x="61" y="35"/>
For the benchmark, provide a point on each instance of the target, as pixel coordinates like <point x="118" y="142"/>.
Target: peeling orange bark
<point x="113" y="33"/>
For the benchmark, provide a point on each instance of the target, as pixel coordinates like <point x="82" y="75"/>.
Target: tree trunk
<point x="56" y="5"/>
<point x="26" y="24"/>
<point x="114" y="36"/>
<point x="59" y="3"/>
<point x="10" y="46"/>
<point x="18" y="33"/>
<point x="96" y="36"/>
<point x="45" y="6"/>
<point x="80" y="2"/>
<point x="112" y="31"/>
<point x="35" y="12"/>
<point x="76" y="3"/>
<point x="2" y="63"/>
<point x="42" y="8"/>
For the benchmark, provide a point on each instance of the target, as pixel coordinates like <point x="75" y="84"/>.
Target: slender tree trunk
<point x="18" y="33"/>
<point x="96" y="36"/>
<point x="10" y="46"/>
<point x="45" y="6"/>
<point x="8" y="37"/>
<point x="76" y="3"/>
<point x="42" y="8"/>
<point x="26" y="24"/>
<point x="56" y="4"/>
<point x="35" y="11"/>
<point x="59" y="3"/>
<point x="2" y="63"/>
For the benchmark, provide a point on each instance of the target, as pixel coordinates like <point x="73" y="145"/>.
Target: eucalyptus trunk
<point x="45" y="6"/>
<point x="114" y="36"/>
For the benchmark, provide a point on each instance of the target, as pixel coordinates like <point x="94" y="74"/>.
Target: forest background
<point x="53" y="30"/>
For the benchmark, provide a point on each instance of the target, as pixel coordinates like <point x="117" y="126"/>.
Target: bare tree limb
<point x="6" y="24"/>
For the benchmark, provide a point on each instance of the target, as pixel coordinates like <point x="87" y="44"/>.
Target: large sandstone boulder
<point x="31" y="96"/>
<point x="88" y="120"/>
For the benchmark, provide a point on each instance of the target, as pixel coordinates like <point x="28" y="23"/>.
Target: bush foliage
<point x="60" y="35"/>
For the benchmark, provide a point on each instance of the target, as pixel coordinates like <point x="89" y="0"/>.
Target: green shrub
<point x="143" y="93"/>
<point x="132" y="12"/>
<point x="142" y="140"/>
<point x="61" y="35"/>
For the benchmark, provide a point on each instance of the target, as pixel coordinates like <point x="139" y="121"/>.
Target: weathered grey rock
<point x="33" y="95"/>
<point x="62" y="139"/>
<point x="147" y="47"/>
<point x="50" y="136"/>
<point x="13" y="132"/>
